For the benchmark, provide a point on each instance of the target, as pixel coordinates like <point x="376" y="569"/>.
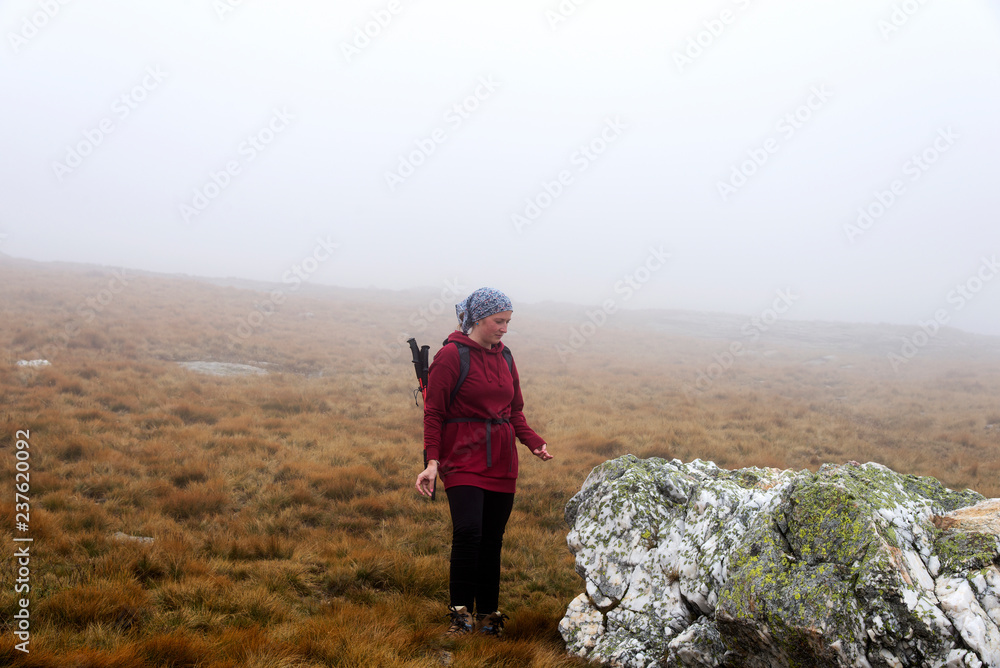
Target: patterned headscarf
<point x="482" y="303"/>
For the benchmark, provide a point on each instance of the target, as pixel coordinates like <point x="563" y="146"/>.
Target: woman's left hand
<point x="542" y="453"/>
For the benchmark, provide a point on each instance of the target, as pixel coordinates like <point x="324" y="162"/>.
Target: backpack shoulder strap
<point x="463" y="368"/>
<point x="509" y="356"/>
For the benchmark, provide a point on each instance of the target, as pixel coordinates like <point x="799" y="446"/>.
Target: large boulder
<point x="854" y="565"/>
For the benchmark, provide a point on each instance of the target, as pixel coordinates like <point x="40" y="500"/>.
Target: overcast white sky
<point x="224" y="137"/>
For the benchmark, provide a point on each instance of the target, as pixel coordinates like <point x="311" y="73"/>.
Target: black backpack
<point x="463" y="364"/>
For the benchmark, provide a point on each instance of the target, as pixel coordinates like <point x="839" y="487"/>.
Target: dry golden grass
<point x="287" y="530"/>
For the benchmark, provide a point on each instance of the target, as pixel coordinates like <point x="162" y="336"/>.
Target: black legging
<point x="478" y="520"/>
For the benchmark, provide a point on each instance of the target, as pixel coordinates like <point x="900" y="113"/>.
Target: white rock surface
<point x="34" y="363"/>
<point x="121" y="536"/>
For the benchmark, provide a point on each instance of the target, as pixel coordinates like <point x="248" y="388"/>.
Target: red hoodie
<point x="466" y="452"/>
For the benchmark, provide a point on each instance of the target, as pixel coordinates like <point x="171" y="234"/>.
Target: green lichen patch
<point x="943" y="498"/>
<point x="804" y="606"/>
<point x="888" y="489"/>
<point x="821" y="567"/>
<point x="828" y="523"/>
<point x="960" y="551"/>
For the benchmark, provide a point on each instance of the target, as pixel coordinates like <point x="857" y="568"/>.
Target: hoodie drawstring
<point x="496" y="366"/>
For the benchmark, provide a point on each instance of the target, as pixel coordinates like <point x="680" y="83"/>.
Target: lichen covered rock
<point x="855" y="565"/>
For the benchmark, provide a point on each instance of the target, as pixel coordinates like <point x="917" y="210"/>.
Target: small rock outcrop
<point x="33" y="363"/>
<point x="854" y="565"/>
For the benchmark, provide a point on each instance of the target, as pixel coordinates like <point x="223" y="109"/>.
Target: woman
<point x="469" y="442"/>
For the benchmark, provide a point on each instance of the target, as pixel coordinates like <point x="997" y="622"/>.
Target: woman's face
<point x="491" y="329"/>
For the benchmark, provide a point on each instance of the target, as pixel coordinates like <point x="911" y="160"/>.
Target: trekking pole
<point x="420" y="366"/>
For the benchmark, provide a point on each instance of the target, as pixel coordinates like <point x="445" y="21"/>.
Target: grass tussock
<point x="285" y="528"/>
<point x="117" y="604"/>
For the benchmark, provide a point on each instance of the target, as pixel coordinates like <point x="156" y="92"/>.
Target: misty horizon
<point x="690" y="158"/>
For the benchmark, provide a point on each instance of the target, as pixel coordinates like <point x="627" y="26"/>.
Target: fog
<point x="713" y="156"/>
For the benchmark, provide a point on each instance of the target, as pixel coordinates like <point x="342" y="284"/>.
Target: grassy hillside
<point x="286" y="530"/>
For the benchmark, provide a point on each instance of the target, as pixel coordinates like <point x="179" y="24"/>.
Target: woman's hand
<point x="542" y="453"/>
<point x="425" y="481"/>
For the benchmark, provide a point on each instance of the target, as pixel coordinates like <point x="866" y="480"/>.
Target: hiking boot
<point x="491" y="624"/>
<point x="461" y="621"/>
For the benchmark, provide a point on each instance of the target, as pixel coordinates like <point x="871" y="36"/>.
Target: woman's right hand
<point x="425" y="481"/>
